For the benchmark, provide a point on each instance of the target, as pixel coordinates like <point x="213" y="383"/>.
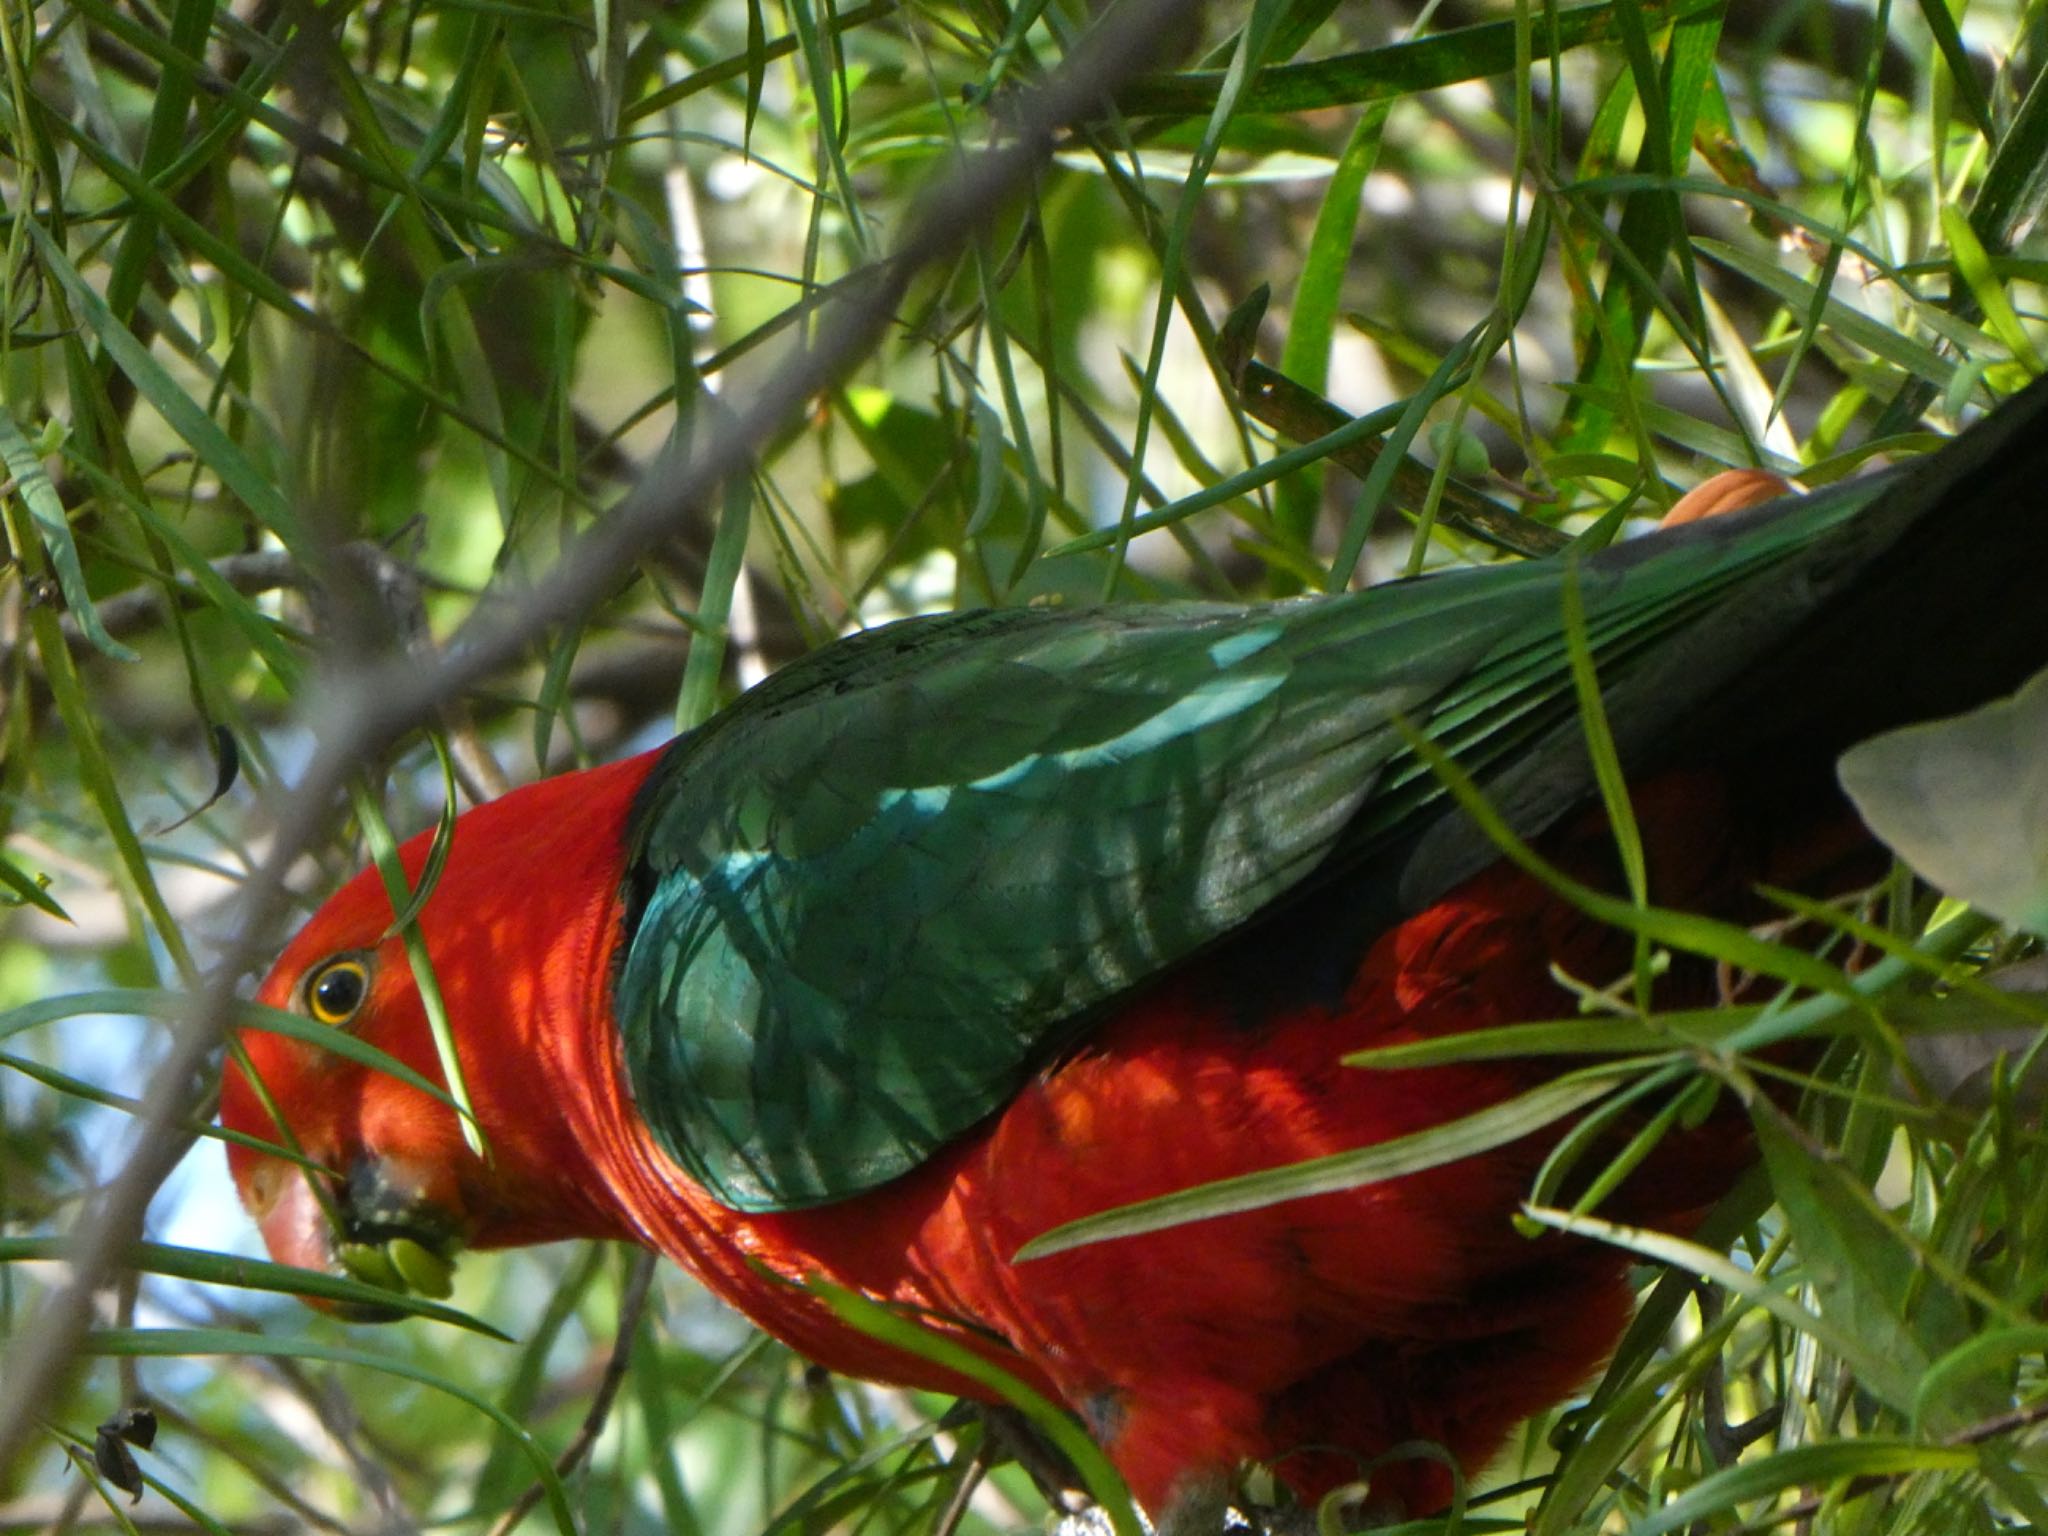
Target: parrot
<point x="968" y="926"/>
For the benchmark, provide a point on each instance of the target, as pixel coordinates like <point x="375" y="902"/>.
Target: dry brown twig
<point x="360" y="710"/>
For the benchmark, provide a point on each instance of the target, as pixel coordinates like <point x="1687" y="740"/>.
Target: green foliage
<point x="334" y="341"/>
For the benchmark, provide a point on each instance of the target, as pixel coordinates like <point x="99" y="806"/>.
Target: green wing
<point x="872" y="894"/>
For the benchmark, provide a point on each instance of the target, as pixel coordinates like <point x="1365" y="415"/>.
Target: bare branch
<point x="361" y="712"/>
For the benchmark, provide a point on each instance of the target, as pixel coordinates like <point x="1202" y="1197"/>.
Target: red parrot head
<point x="518" y="930"/>
<point x="389" y="1164"/>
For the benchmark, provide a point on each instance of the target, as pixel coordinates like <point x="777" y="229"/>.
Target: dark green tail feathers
<point x="871" y="895"/>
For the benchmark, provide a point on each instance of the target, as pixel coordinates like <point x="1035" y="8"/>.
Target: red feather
<point x="1315" y="1334"/>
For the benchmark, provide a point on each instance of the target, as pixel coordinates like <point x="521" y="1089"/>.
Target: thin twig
<point x="963" y="1495"/>
<point x="1725" y="1442"/>
<point x="632" y="1306"/>
<point x="140" y="608"/>
<point x="363" y="710"/>
<point x="370" y="1461"/>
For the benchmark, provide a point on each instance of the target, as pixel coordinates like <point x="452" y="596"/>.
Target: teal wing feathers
<point x="878" y="892"/>
<point x="872" y="894"/>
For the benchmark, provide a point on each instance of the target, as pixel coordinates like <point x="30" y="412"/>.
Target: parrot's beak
<point x="379" y="1225"/>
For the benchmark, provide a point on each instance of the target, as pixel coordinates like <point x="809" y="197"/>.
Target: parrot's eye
<point x="336" y="990"/>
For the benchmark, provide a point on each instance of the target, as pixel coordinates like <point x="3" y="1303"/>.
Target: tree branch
<point x="360" y="711"/>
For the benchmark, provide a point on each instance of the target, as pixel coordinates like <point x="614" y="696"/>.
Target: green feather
<point x="875" y="893"/>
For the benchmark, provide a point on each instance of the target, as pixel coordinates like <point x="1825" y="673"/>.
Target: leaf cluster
<point x="330" y="337"/>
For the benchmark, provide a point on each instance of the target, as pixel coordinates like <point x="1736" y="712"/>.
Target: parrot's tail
<point x="1920" y="599"/>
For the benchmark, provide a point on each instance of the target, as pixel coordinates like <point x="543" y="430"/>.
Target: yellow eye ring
<point x="335" y="990"/>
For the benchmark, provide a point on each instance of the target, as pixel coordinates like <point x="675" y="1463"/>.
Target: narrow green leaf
<point x="1022" y="18"/>
<point x="1399" y="69"/>
<point x="553" y="695"/>
<point x="1187" y="451"/>
<point x="1974" y="266"/>
<point x="742" y="65"/>
<point x="127" y="1104"/>
<point x="260" y="631"/>
<point x="384" y="853"/>
<point x="757" y="72"/>
<point x="1241" y="483"/>
<point x="247" y="276"/>
<point x="1733" y="945"/>
<point x="1689" y="432"/>
<point x="1857" y="1264"/>
<point x="1652" y="219"/>
<point x="1450" y="1142"/>
<point x="1449" y="374"/>
<point x="1317" y="295"/>
<point x="1606" y="760"/>
<point x="1962" y="73"/>
<point x="30" y="890"/>
<point x="1628" y="1414"/>
<point x="698" y="696"/>
<point x="437" y="850"/>
<point x="204" y="1267"/>
<point x="156" y="1003"/>
<point x="170" y="103"/>
<point x="94" y="768"/>
<point x="1599" y="1035"/>
<point x="2015" y="188"/>
<point x="996" y="338"/>
<point x="32" y="484"/>
<point x="1247" y="59"/>
<point x="449" y="325"/>
<point x="1962" y="1373"/>
<point x="988" y="478"/>
<point x="215" y="448"/>
<point x="827" y="85"/>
